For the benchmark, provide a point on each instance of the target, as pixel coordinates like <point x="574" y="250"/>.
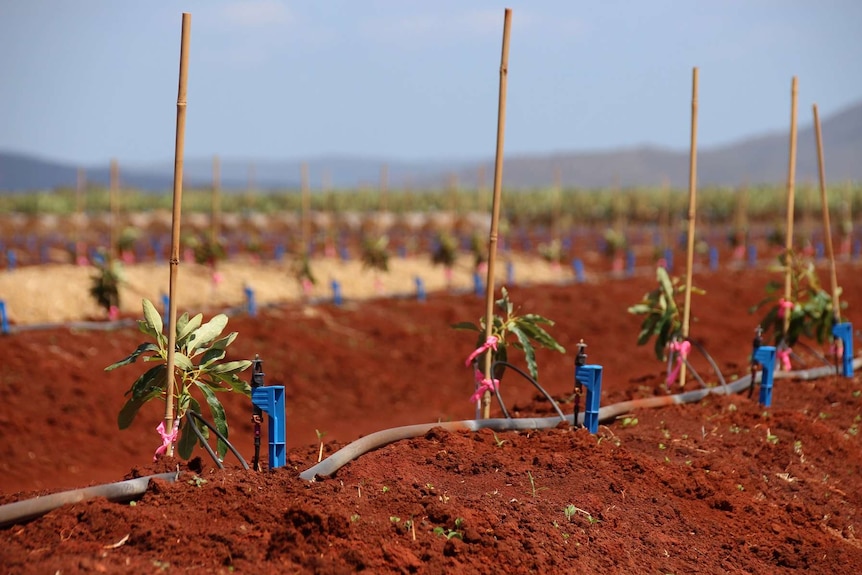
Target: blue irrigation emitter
<point x="4" y="321"/>
<point x="271" y="400"/>
<point x="578" y="266"/>
<point x="752" y="256"/>
<point x="166" y="306"/>
<point x="336" y="292"/>
<point x="510" y="273"/>
<point x="713" y="258"/>
<point x="278" y="254"/>
<point x="11" y="259"/>
<point x="250" y="301"/>
<point x="478" y="287"/>
<point x="764" y="357"/>
<point x="844" y="332"/>
<point x="420" y="289"/>
<point x="589" y="376"/>
<point x="630" y="263"/>
<point x="668" y="260"/>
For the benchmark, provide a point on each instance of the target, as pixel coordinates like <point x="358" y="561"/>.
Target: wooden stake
<point x="175" y="224"/>
<point x="305" y="227"/>
<point x="827" y="228"/>
<point x="495" y="208"/>
<point x="215" y="224"/>
<point x="692" y="210"/>
<point x="791" y="183"/>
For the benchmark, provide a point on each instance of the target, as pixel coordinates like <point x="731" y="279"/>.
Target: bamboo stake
<point x="304" y="210"/>
<point x="791" y="183"/>
<point x="113" y="191"/>
<point x="495" y="209"/>
<point x="692" y="210"/>
<point x="215" y="224"/>
<point x="175" y="224"/>
<point x="827" y="229"/>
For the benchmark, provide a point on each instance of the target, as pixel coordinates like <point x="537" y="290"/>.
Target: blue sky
<point x="89" y="80"/>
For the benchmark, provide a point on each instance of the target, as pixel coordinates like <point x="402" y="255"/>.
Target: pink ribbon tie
<point x="167" y="440"/>
<point x="783" y="356"/>
<point x="490" y="343"/>
<point x="681" y="348"/>
<point x="484" y="384"/>
<point x="783" y="307"/>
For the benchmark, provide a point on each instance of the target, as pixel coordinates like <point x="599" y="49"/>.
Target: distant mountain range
<point x="756" y="160"/>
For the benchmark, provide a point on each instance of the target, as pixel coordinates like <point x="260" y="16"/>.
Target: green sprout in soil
<point x="105" y="285"/>
<point x="450" y="533"/>
<point x="195" y="340"/>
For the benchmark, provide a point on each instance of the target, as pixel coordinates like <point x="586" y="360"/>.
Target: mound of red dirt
<point x="718" y="486"/>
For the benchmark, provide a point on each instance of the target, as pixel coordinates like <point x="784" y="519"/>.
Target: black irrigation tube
<point x="206" y="444"/>
<point x="535" y="384"/>
<point x="21" y="511"/>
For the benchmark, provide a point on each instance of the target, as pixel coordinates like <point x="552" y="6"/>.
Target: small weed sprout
<point x="499" y="441"/>
<point x="450" y="533"/>
<point x="320" y="435"/>
<point x="535" y="489"/>
<point x="773" y="439"/>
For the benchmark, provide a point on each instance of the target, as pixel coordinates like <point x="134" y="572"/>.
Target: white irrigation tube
<point x="25" y="510"/>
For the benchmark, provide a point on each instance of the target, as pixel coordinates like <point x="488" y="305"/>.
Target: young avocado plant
<point x="527" y="330"/>
<point x="195" y="342"/>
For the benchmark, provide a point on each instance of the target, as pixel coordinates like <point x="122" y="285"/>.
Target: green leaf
<point x="465" y="325"/>
<point x="188" y="439"/>
<point x="536" y="318"/>
<point x="233" y="382"/>
<point x="131" y="407"/>
<point x="529" y="352"/>
<point x="230" y="367"/>
<point x="153" y="378"/>
<point x="639" y="309"/>
<point x="219" y="419"/>
<point x="152" y="317"/>
<point x="222" y="343"/>
<point x="183" y="362"/>
<point x="541" y="336"/>
<point x="187" y="327"/>
<point x="207" y="333"/>
<point x="211" y="355"/>
<point x="665" y="282"/>
<point x="143" y="348"/>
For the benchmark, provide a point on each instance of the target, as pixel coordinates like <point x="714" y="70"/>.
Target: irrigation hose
<point x="21" y="511"/>
<point x="382" y="438"/>
<point x="219" y="434"/>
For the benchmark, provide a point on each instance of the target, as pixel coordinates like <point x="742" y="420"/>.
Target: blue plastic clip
<point x="336" y="292"/>
<point x="713" y="258"/>
<point x="4" y="321"/>
<point x="251" y="304"/>
<point x="590" y="376"/>
<point x="271" y="400"/>
<point x="765" y="356"/>
<point x="844" y="332"/>
<point x="420" y="289"/>
<point x="578" y="266"/>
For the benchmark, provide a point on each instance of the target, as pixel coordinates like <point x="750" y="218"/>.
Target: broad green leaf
<point x="206" y="333"/>
<point x="230" y="367"/>
<point x="153" y="378"/>
<point x="665" y="282"/>
<point x="541" y="336"/>
<point x="152" y="316"/>
<point x="219" y="419"/>
<point x="186" y="329"/>
<point x="143" y="348"/>
<point x="211" y="355"/>
<point x="233" y="382"/>
<point x="536" y="318"/>
<point x="182" y="362"/>
<point x="639" y="309"/>
<point x="529" y="352"/>
<point x="131" y="407"/>
<point x="225" y="341"/>
<point x="188" y="439"/>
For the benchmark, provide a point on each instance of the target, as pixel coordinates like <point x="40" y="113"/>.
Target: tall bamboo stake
<point x="215" y="224"/>
<point x="175" y="224"/>
<point x="827" y="229"/>
<point x="692" y="210"/>
<point x="791" y="189"/>
<point x="304" y="210"/>
<point x="113" y="201"/>
<point x="495" y="209"/>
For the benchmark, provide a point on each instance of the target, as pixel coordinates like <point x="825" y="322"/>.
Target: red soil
<point x="720" y="486"/>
